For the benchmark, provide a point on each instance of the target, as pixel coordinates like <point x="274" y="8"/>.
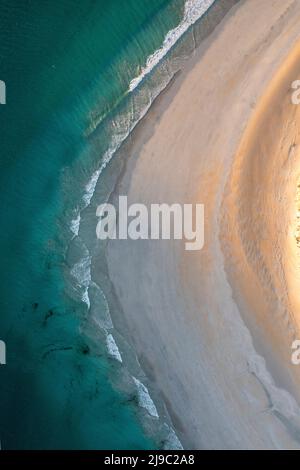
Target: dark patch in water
<point x="48" y="315"/>
<point x="133" y="399"/>
<point x="66" y="348"/>
<point x="85" y="349"/>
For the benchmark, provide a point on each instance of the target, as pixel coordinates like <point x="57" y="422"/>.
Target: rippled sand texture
<point x="213" y="329"/>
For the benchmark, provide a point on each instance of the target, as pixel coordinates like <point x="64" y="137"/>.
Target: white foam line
<point x="145" y="401"/>
<point x="172" y="442"/>
<point x="75" y="224"/>
<point x="91" y="185"/>
<point x="81" y="271"/>
<point x="112" y="348"/>
<point x="193" y="10"/>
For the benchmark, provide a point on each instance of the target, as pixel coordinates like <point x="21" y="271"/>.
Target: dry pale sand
<point x="213" y="328"/>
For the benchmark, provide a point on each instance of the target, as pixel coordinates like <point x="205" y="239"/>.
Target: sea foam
<point x="193" y="10"/>
<point x="145" y="401"/>
<point x="112" y="348"/>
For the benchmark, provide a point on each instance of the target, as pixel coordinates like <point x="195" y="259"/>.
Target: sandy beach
<point x="213" y="328"/>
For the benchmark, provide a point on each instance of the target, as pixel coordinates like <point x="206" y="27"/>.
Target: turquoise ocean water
<point x="68" y="66"/>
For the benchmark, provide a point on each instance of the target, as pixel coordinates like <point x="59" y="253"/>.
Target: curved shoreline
<point x="179" y="306"/>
